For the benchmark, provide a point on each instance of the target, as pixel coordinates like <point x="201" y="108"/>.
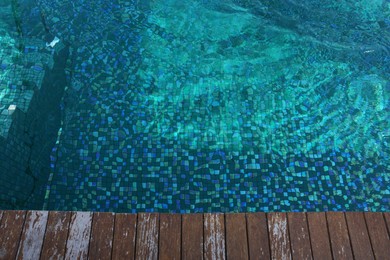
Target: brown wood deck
<point x="82" y="235"/>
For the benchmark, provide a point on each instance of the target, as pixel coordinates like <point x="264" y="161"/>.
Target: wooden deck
<point x="82" y="235"/>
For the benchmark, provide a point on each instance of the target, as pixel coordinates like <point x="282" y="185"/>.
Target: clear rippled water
<point x="189" y="106"/>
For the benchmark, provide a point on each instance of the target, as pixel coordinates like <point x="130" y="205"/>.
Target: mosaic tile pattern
<point x="22" y="67"/>
<point x="25" y="105"/>
<point x="197" y="106"/>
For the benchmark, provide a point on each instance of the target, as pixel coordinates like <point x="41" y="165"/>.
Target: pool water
<point x="210" y="106"/>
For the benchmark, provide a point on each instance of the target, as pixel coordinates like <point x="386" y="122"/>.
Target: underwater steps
<point x="28" y="132"/>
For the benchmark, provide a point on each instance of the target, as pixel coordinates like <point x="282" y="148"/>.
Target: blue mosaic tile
<point x="201" y="106"/>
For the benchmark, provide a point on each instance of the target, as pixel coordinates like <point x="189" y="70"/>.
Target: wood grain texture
<point x="214" y="236"/>
<point x="56" y="235"/>
<point x="379" y="236"/>
<point x="10" y="232"/>
<point x="170" y="237"/>
<point x="192" y="236"/>
<point x="236" y="236"/>
<point x="100" y="245"/>
<point x="278" y="236"/>
<point x="299" y="235"/>
<point x="31" y="242"/>
<point x="258" y="236"/>
<point x="79" y="234"/>
<point x="147" y="236"/>
<point x="387" y="219"/>
<point x="124" y="236"/>
<point x="358" y="234"/>
<point x="319" y="236"/>
<point x="339" y="238"/>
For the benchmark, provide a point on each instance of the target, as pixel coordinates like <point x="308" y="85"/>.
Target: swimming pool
<point x="209" y="106"/>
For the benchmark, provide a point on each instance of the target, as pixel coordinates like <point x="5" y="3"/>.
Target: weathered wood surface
<point x="319" y="236"/>
<point x="299" y="236"/>
<point x="10" y="231"/>
<point x="279" y="236"/>
<point x="192" y="236"/>
<point x="32" y="235"/>
<point x="387" y="218"/>
<point x="56" y="235"/>
<point x="339" y="238"/>
<point x="379" y="236"/>
<point x="79" y="235"/>
<point x="124" y="236"/>
<point x="358" y="234"/>
<point x="258" y="236"/>
<point x="170" y="237"/>
<point x="214" y="236"/>
<point x="147" y="236"/>
<point x="100" y="245"/>
<point x="236" y="236"/>
<point x="85" y="235"/>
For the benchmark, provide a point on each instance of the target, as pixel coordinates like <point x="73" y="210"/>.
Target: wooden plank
<point x="124" y="236"/>
<point x="258" y="236"/>
<point x="100" y="245"/>
<point x="236" y="236"/>
<point x="278" y="236"/>
<point x="170" y="236"/>
<point x="192" y="236"/>
<point x="10" y="232"/>
<point x="358" y="234"/>
<point x="56" y="234"/>
<point x="299" y="235"/>
<point x="31" y="241"/>
<point x="387" y="219"/>
<point x="79" y="233"/>
<point x="1" y="215"/>
<point x="319" y="235"/>
<point x="214" y="236"/>
<point x="377" y="231"/>
<point x="339" y="238"/>
<point x="147" y="236"/>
